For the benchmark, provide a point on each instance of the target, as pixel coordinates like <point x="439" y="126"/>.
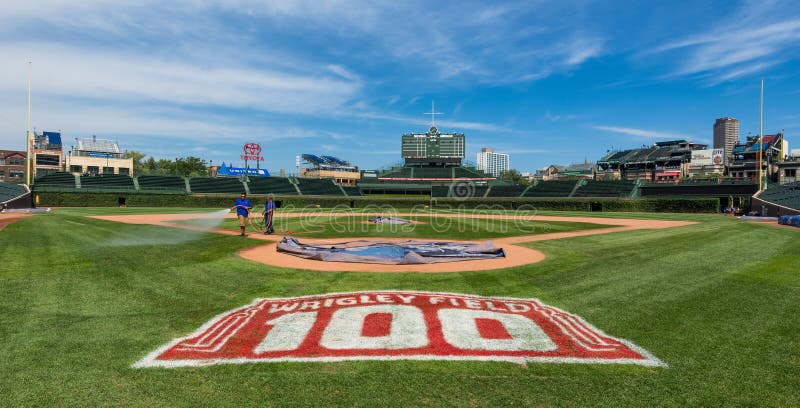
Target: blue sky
<point x="546" y="82"/>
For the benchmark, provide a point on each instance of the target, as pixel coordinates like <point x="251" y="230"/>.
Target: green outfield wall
<point x="108" y="199"/>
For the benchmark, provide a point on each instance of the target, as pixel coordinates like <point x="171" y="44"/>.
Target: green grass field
<point x="326" y="226"/>
<point x="83" y="299"/>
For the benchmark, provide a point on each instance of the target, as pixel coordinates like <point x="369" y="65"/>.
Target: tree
<point x="191" y="167"/>
<point x="137" y="160"/>
<point x="514" y="176"/>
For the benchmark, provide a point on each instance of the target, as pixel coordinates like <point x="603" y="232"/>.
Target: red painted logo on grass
<point x="397" y="325"/>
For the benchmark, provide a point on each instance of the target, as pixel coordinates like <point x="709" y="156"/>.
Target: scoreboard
<point x="433" y="145"/>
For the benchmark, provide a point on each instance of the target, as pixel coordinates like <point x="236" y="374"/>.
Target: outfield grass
<point x="82" y="299"/>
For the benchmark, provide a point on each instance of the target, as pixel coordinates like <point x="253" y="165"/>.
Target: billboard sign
<point x="224" y="170"/>
<point x="252" y="151"/>
<point x="707" y="157"/>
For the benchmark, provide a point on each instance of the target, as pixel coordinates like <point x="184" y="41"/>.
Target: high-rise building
<point x="726" y="135"/>
<point x="491" y="162"/>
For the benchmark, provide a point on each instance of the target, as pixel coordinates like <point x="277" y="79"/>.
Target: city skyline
<point x="546" y="84"/>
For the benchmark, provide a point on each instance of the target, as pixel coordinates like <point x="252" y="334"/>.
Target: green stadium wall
<point x="678" y="205"/>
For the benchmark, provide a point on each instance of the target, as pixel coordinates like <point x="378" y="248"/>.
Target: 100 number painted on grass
<point x="396" y="325"/>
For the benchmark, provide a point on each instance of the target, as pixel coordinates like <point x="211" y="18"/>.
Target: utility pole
<point x="28" y="167"/>
<point x="760" y="138"/>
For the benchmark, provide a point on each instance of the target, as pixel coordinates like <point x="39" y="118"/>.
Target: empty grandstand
<point x="591" y="188"/>
<point x="162" y="183"/>
<point x="552" y="189"/>
<point x="107" y="181"/>
<point x="216" y="185"/>
<point x="58" y="179"/>
<point x="279" y="186"/>
<point x="778" y="200"/>
<point x="329" y="167"/>
<point x="14" y="196"/>
<point x="309" y="186"/>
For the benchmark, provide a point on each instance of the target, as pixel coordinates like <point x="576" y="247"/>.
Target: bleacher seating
<point x="460" y="191"/>
<point x="318" y="187"/>
<point x="433" y="172"/>
<point x="551" y="189"/>
<point x="57" y="179"/>
<point x="787" y="195"/>
<point x="440" y="191"/>
<point x="506" y="191"/>
<point x="161" y="183"/>
<point x="606" y="189"/>
<point x="108" y="181"/>
<point x="352" y="191"/>
<point x="398" y="172"/>
<point x="468" y="172"/>
<point x="215" y="185"/>
<point x="280" y="186"/>
<point x="9" y="191"/>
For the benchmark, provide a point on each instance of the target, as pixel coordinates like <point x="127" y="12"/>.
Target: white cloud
<point x="641" y="133"/>
<point x="82" y="73"/>
<point x="753" y="39"/>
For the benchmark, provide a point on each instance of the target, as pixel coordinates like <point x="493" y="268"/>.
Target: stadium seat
<point x="162" y="183"/>
<point x="219" y="185"/>
<point x="318" y="187"/>
<point x="352" y="191"/>
<point x="57" y="179"/>
<point x="280" y="186"/>
<point x="107" y="182"/>
<point x="552" y="189"/>
<point x="9" y="191"/>
<point x="598" y="188"/>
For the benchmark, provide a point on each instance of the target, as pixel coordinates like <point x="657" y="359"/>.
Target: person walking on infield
<point x="242" y="206"/>
<point x="269" y="209"/>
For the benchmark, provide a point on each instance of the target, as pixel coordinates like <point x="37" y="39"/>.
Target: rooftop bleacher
<point x="271" y="185"/>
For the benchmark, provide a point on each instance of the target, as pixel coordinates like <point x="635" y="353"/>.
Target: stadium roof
<point x="98" y="145"/>
<point x="323" y="161"/>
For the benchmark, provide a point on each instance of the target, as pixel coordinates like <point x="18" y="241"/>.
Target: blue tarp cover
<point x="393" y="253"/>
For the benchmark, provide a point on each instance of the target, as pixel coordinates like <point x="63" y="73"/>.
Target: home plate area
<point x="397" y="325"/>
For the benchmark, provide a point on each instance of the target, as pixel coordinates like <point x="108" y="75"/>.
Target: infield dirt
<point x="515" y="255"/>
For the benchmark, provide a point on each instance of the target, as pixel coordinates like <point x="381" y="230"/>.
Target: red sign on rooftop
<point x="252" y="151"/>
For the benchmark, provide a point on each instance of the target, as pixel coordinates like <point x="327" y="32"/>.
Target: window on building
<point x="48" y="160"/>
<point x="94" y="170"/>
<point x="75" y="169"/>
<point x="790" y="172"/>
<point x="2" y="173"/>
<point x="16" y="161"/>
<point x="44" y="172"/>
<point x="2" y="161"/>
<point x="16" y="174"/>
<point x="108" y="170"/>
<point x="124" y="171"/>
